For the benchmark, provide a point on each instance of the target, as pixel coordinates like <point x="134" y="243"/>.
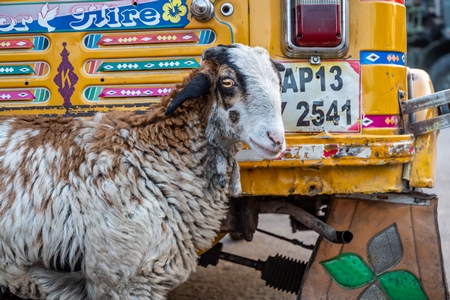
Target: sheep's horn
<point x="198" y="86"/>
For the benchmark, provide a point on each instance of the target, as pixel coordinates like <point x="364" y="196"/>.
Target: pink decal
<point x="16" y="44"/>
<point x="355" y="66"/>
<point x="354" y="127"/>
<point x="135" y="92"/>
<point x="16" y="95"/>
<point x="381" y="121"/>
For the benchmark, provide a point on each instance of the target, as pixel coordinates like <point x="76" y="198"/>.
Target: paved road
<point x="442" y="190"/>
<point x="229" y="281"/>
<point x="233" y="282"/>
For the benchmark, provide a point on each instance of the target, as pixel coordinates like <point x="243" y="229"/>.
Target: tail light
<point x="317" y="23"/>
<point x="315" y="27"/>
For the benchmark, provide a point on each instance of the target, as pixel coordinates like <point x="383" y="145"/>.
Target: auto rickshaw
<point x="361" y="127"/>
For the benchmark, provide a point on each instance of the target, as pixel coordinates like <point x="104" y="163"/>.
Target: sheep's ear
<point x="278" y="66"/>
<point x="196" y="87"/>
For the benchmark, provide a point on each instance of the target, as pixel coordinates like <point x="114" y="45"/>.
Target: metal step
<point x="441" y="98"/>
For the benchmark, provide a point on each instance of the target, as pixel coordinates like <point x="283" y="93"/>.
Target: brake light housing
<point x="315" y="27"/>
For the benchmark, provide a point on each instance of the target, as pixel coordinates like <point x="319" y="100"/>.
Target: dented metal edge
<point x="359" y="151"/>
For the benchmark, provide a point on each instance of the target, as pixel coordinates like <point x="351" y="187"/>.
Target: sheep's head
<point x="243" y="84"/>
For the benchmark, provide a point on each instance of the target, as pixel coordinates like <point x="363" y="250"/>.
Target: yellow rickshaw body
<point x="384" y="161"/>
<point x="346" y="135"/>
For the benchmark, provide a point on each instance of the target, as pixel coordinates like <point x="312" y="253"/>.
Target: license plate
<point x="323" y="97"/>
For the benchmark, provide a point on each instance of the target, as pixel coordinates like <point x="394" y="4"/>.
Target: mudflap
<point x="395" y="253"/>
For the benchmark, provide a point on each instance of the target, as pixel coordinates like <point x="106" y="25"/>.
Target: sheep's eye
<point x="227" y="82"/>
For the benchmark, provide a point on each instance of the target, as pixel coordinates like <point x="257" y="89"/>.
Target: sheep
<point x="117" y="206"/>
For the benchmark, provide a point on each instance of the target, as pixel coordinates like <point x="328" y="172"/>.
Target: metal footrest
<point x="425" y="102"/>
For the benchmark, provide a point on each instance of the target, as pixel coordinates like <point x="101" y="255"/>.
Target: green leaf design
<point x="349" y="270"/>
<point x="402" y="285"/>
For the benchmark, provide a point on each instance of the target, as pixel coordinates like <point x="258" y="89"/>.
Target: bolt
<point x="315" y="60"/>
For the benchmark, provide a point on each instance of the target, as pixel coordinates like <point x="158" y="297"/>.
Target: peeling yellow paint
<point x="423" y="167"/>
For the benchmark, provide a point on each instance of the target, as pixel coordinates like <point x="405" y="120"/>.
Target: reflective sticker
<point x="383" y="58"/>
<point x="385" y="250"/>
<point x="380" y="121"/>
<point x="373" y="292"/>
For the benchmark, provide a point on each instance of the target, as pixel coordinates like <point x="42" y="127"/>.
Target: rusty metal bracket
<point x="310" y="221"/>
<point x="243" y="218"/>
<point x="429" y="101"/>
<point x="411" y="198"/>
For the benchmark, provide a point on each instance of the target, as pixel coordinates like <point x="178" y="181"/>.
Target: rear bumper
<point x="331" y="164"/>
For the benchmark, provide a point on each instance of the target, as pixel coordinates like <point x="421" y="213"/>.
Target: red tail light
<point x="317" y="23"/>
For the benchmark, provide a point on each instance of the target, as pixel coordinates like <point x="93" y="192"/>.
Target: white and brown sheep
<point x="117" y="206"/>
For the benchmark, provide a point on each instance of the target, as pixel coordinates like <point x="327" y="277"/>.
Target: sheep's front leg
<point x="59" y="285"/>
<point x="143" y="263"/>
<point x="139" y="287"/>
<point x="155" y="282"/>
<point x="19" y="282"/>
<point x="110" y="277"/>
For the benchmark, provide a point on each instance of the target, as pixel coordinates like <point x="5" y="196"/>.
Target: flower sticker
<point x="173" y="11"/>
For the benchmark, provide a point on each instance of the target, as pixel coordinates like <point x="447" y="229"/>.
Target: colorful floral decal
<point x="173" y="11"/>
<point x="384" y="251"/>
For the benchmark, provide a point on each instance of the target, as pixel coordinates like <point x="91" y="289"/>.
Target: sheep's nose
<point x="277" y="138"/>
